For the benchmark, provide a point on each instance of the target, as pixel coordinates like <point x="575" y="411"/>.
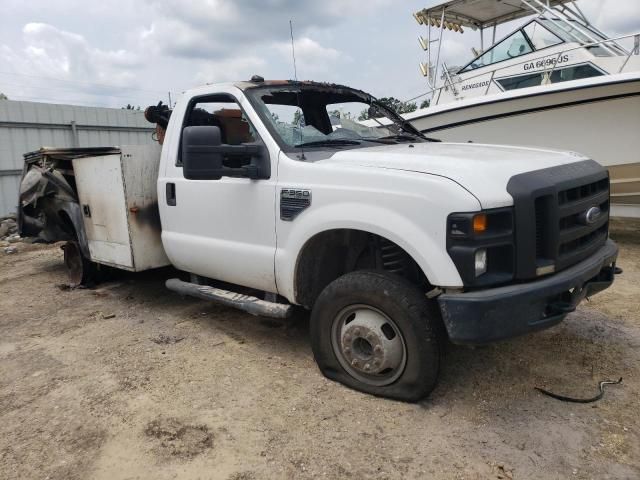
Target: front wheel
<point x="377" y="333"/>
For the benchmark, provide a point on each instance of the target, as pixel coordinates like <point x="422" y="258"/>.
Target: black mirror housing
<point x="201" y="156"/>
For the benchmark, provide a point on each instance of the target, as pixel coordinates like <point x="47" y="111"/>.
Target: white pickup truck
<point x="271" y="197"/>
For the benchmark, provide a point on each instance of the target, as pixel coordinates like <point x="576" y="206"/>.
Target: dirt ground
<point x="129" y="380"/>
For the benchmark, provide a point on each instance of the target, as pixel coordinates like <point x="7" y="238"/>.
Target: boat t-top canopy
<point x="479" y="13"/>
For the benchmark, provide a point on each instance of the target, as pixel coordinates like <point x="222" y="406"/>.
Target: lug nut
<point x="347" y="350"/>
<point x="354" y="363"/>
<point x="367" y="367"/>
<point x="377" y="349"/>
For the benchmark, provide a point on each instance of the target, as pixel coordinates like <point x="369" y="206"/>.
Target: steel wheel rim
<point x="368" y="345"/>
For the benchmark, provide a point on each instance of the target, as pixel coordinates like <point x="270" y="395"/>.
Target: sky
<point x="118" y="52"/>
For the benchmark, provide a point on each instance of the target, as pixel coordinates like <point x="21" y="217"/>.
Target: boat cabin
<point x="558" y="44"/>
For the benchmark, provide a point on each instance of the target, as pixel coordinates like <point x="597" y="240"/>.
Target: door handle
<point x="171" y="194"/>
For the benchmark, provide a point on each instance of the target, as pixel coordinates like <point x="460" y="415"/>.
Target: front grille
<point x="566" y="222"/>
<point x="543" y="211"/>
<point x="583" y="192"/>
<point x="577" y="237"/>
<point x="540" y="222"/>
<point x="551" y="228"/>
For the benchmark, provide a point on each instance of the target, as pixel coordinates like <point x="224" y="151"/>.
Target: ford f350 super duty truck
<point x="270" y="196"/>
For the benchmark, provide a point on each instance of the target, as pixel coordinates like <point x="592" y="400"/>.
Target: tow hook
<point x="617" y="270"/>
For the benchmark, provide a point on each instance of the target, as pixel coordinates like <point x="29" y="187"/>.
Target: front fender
<point x="426" y="246"/>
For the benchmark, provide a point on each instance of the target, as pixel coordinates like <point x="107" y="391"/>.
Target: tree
<point x="298" y="119"/>
<point x="425" y="103"/>
<point x="392" y="103"/>
<point x="3" y="96"/>
<point x="131" y="107"/>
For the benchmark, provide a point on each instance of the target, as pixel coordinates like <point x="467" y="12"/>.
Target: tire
<point x="376" y="333"/>
<point x="80" y="270"/>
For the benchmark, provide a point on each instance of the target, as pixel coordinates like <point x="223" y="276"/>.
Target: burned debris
<point x="9" y="233"/>
<point x="49" y="208"/>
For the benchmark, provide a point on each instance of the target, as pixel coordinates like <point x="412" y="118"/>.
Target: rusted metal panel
<point x="140" y="166"/>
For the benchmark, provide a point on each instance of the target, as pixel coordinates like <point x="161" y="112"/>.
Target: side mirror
<point x="201" y="155"/>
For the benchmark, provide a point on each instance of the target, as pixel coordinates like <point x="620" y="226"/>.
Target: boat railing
<point x="547" y="72"/>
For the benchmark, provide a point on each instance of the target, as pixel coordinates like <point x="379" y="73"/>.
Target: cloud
<point x="217" y="29"/>
<point x="51" y="52"/>
<point x="229" y="70"/>
<point x="455" y="51"/>
<point x="311" y="57"/>
<point x="618" y="18"/>
<point x="118" y="51"/>
<point x="54" y="63"/>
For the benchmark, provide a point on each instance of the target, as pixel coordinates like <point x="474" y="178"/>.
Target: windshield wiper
<point x="398" y="120"/>
<point x="383" y="140"/>
<point x="389" y="139"/>
<point x="400" y="137"/>
<point x="328" y="142"/>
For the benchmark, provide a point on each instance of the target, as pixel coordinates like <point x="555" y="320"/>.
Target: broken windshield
<point x="327" y="117"/>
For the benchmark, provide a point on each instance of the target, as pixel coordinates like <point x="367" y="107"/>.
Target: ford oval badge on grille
<point x="591" y="216"/>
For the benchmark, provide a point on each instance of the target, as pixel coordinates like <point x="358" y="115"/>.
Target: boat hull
<point x="598" y="119"/>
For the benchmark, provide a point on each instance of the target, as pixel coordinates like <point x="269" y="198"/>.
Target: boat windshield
<point x="513" y="46"/>
<point x="536" y="35"/>
<point x="540" y="36"/>
<point x="568" y="32"/>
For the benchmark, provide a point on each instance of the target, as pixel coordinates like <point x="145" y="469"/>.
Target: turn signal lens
<point x="480" y="223"/>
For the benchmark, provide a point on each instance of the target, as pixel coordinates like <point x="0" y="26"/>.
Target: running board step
<point x="247" y="303"/>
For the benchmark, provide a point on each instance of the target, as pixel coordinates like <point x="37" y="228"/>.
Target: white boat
<point x="556" y="81"/>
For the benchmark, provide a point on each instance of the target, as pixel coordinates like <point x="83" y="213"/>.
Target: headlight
<point x="481" y="244"/>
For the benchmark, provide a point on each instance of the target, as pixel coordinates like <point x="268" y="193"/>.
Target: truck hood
<point x="483" y="170"/>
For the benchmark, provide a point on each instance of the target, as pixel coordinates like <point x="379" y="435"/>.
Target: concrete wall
<point x="27" y="126"/>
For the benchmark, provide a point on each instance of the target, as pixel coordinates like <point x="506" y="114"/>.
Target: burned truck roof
<point x="68" y="153"/>
<point x="258" y="82"/>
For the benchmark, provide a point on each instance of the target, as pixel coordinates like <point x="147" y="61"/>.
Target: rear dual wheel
<point x="378" y="334"/>
<point x="80" y="270"/>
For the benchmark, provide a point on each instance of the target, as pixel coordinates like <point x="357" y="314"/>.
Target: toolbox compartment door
<point x="101" y="192"/>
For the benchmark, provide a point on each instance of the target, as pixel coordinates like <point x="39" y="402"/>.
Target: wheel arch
<point x="71" y="221"/>
<point x="331" y="253"/>
<point x="417" y="226"/>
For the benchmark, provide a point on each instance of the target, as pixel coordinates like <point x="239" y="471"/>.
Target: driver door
<point x="222" y="229"/>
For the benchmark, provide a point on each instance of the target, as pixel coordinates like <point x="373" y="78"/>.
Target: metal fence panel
<point x="9" y="193"/>
<point x="27" y="126"/>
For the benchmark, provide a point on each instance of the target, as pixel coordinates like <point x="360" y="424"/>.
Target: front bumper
<point x="486" y="316"/>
